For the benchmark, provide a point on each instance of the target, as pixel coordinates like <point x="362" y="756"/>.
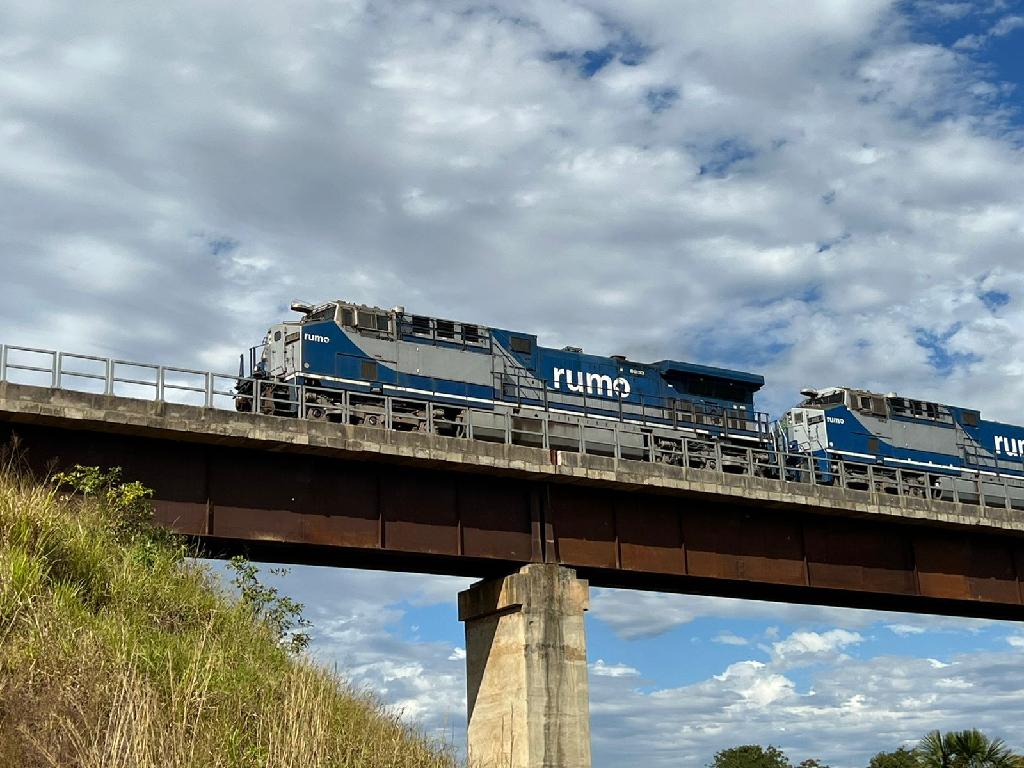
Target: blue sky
<point x="824" y="192"/>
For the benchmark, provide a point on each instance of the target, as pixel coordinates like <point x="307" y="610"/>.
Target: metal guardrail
<point x="627" y="438"/>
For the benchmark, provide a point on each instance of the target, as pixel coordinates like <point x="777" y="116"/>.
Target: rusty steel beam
<point x="299" y="508"/>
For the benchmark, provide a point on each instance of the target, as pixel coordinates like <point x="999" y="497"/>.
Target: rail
<point x="618" y="439"/>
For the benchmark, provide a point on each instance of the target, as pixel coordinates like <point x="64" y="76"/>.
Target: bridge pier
<point x="526" y="670"/>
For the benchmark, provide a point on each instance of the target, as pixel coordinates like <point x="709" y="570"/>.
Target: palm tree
<point x="965" y="749"/>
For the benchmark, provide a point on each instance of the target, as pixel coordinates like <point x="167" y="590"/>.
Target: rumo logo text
<point x="317" y="337"/>
<point x="591" y="383"/>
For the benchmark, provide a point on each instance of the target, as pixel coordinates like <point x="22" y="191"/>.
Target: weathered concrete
<point x="526" y="670"/>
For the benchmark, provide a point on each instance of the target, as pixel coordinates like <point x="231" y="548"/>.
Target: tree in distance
<point x="900" y="758"/>
<point x="750" y="756"/>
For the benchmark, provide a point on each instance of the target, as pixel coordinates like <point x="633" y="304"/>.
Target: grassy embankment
<point x="117" y="651"/>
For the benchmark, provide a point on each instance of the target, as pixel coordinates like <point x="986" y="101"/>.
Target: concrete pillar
<point x="526" y="670"/>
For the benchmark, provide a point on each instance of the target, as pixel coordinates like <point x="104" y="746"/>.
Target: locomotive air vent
<point x="619" y="358"/>
<point x="572" y="349"/>
<point x="302" y="306"/>
<point x="811" y="393"/>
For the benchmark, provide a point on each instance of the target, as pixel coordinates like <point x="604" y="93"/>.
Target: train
<point x="949" y="447"/>
<point x="341" y="361"/>
<point x="366" y="365"/>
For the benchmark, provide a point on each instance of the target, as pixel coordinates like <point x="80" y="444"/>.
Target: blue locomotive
<point x="340" y="353"/>
<point x="945" y="446"/>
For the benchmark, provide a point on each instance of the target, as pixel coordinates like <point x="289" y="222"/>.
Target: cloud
<point x="1000" y="28"/>
<point x="804" y="646"/>
<point x="1017" y="641"/>
<point x="843" y="714"/>
<point x="728" y="638"/>
<point x="646" y="614"/>
<point x="904" y="630"/>
<point x="600" y="669"/>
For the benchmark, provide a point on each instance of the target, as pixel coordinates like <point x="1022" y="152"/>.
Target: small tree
<point x="750" y="756"/>
<point x="901" y="758"/>
<point x="279" y="613"/>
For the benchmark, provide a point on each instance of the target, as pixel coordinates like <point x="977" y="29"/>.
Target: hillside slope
<point x="116" y="650"/>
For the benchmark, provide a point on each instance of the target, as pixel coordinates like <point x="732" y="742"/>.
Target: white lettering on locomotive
<point x="835" y="420"/>
<point x="591" y="383"/>
<point x="1009" y="446"/>
<point x="317" y="337"/>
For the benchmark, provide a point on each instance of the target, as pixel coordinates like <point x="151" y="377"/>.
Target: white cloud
<point x="904" y="630"/>
<point x="600" y="669"/>
<point x="1001" y="28"/>
<point x="1017" y="641"/>
<point x="728" y="638"/>
<point x="803" y="645"/>
<point x="644" y="614"/>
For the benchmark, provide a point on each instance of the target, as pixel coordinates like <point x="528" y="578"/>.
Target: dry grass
<point x="124" y="654"/>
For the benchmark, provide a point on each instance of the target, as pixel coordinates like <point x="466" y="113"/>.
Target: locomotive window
<point x="815" y="419"/>
<point x="865" y="403"/>
<point x="798" y="417"/>
<point x="872" y="445"/>
<point x="277" y="335"/>
<point x="348" y="317"/>
<point x="445" y="329"/>
<point x="368" y="370"/>
<point x="367" y="320"/>
<point x="970" y="418"/>
<point x="383" y="323"/>
<point x="521" y="345"/>
<point x="471" y="333"/>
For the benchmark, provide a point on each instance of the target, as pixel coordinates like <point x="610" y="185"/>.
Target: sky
<point x="827" y="192"/>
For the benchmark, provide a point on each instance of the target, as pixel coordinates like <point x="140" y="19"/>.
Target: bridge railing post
<point x="108" y="377"/>
<point x="3" y="362"/>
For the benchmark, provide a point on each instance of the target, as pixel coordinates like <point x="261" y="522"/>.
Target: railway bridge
<point x="537" y="526"/>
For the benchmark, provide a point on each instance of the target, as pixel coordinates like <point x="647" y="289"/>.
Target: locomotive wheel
<point x="372" y="420"/>
<point x="315" y="413"/>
